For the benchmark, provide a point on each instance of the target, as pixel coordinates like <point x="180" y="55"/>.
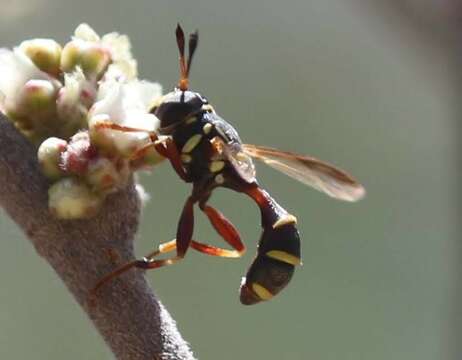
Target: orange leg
<point x="167" y="149"/>
<point x="171" y="152"/>
<point x="226" y="230"/>
<point x="184" y="234"/>
<point x="196" y="245"/>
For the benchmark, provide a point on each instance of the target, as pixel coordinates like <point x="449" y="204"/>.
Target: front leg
<point x="165" y="147"/>
<point x="172" y="153"/>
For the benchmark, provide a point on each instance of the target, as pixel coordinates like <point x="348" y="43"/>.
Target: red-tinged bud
<point x="78" y="154"/>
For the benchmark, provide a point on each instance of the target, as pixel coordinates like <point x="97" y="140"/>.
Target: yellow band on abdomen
<point x="284" y="257"/>
<point x="262" y="292"/>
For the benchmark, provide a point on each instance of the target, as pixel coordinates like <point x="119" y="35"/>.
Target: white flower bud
<point x="74" y="99"/>
<point x="71" y="198"/>
<point x="85" y="32"/>
<point x="49" y="154"/>
<point x="125" y="105"/>
<point x="16" y="69"/>
<point x="123" y="66"/>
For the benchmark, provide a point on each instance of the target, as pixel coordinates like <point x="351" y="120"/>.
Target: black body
<point x="185" y="114"/>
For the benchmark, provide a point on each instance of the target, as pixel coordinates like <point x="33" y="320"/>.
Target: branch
<point x="127" y="314"/>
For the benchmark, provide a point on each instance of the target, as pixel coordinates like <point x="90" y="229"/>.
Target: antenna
<point x="183" y="84"/>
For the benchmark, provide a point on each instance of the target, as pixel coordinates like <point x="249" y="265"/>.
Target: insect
<point x="207" y="152"/>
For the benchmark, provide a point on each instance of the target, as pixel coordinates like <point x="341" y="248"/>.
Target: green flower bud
<point x="71" y="198"/>
<point x="44" y="53"/>
<point x="70" y="56"/>
<point x="92" y="58"/>
<point x="38" y="96"/>
<point x="49" y="154"/>
<point x="95" y="59"/>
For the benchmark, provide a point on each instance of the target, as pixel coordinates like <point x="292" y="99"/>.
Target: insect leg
<point x="172" y="153"/>
<point x="162" y="249"/>
<point x="226" y="230"/>
<point x="114" y="126"/>
<point x="201" y="247"/>
<point x="166" y="148"/>
<point x="181" y="244"/>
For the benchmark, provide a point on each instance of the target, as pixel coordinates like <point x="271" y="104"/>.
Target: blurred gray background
<point x="326" y="78"/>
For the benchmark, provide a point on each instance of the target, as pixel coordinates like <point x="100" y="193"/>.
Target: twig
<point x="128" y="315"/>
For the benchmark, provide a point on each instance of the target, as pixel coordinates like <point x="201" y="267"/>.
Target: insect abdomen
<point x="278" y="254"/>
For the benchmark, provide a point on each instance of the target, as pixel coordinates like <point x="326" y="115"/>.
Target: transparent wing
<point x="235" y="155"/>
<point x="310" y="171"/>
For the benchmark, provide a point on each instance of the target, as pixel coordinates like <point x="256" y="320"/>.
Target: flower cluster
<point x="65" y="98"/>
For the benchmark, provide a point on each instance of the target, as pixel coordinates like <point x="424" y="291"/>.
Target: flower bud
<point x="49" y="154"/>
<point x="99" y="136"/>
<point x="71" y="198"/>
<point x="149" y="157"/>
<point x="70" y="56"/>
<point x="106" y="176"/>
<point x="44" y="53"/>
<point x="38" y="95"/>
<point x="93" y="58"/>
<point x="78" y="153"/>
<point x="85" y="32"/>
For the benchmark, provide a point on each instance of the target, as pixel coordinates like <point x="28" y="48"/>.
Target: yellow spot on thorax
<point x="207" y="128"/>
<point x="216" y="166"/>
<point x="192" y="142"/>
